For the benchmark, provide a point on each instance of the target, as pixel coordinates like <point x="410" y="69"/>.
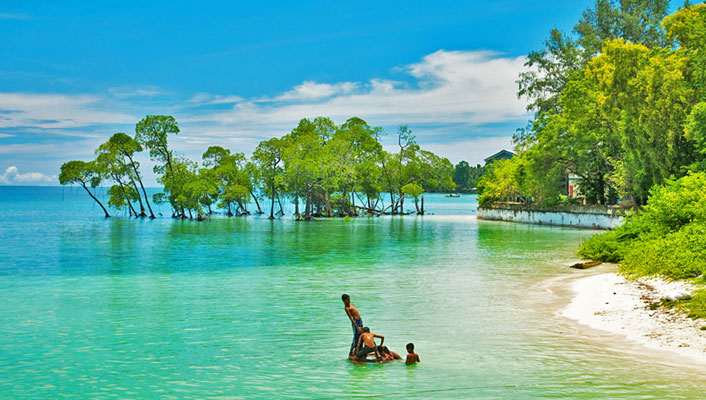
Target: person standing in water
<point x="356" y="321"/>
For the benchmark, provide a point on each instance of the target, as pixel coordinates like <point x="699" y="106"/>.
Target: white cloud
<point x="463" y="90"/>
<point x="449" y="87"/>
<point x="126" y="92"/>
<point x="13" y="16"/>
<point x="5" y="135"/>
<point x="58" y="111"/>
<point x="12" y="176"/>
<point x="310" y="90"/>
<point x="207" y="98"/>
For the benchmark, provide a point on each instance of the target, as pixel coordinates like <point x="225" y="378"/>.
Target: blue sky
<point x="234" y="73"/>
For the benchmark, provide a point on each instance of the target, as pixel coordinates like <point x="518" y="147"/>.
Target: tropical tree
<point x="153" y="133"/>
<point x="268" y="157"/>
<point x="84" y="174"/>
<point x="126" y="147"/>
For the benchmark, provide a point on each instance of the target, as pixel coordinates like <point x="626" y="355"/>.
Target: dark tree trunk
<point x="272" y="203"/>
<point x="137" y="175"/>
<point x="97" y="201"/>
<point x="279" y="201"/>
<point x="327" y="202"/>
<point x="139" y="198"/>
<point x="307" y="206"/>
<point x="257" y="203"/>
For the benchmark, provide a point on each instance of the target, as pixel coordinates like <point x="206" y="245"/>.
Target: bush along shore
<point x="324" y="169"/>
<point x="665" y="238"/>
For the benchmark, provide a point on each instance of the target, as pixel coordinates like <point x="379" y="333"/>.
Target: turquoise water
<point x="96" y="308"/>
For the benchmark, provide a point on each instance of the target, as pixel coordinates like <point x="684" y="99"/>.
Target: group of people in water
<point x="364" y="341"/>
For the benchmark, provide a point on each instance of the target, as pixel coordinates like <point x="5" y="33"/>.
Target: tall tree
<point x="127" y="147"/>
<point x="153" y="133"/>
<point x="549" y="69"/>
<point x="268" y="157"/>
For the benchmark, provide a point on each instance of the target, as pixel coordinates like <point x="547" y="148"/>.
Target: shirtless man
<point x="356" y="321"/>
<point x="366" y="344"/>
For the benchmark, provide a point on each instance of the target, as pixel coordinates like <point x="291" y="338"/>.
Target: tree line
<point x="324" y="169"/>
<point x="466" y="177"/>
<point x="620" y="102"/>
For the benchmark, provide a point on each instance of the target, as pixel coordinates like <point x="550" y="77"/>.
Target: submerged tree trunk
<point x="272" y="203"/>
<point x="422" y="205"/>
<point x="279" y="201"/>
<point x="137" y="175"/>
<point x="257" y="203"/>
<point x="139" y="198"/>
<point x="327" y="202"/>
<point x="307" y="206"/>
<point x="96" y="199"/>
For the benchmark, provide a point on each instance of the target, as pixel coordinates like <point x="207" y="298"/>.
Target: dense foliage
<point x="666" y="237"/>
<point x="324" y="169"/>
<point x="466" y="177"/>
<point x="620" y="104"/>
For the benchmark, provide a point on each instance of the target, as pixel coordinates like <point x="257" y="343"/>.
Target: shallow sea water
<point x="96" y="308"/>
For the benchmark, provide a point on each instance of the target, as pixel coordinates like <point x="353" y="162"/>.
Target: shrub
<point x="667" y="237"/>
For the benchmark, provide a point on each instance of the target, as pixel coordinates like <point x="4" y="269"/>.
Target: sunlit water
<point x="95" y="308"/>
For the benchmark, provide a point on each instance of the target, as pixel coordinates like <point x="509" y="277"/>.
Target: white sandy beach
<point x="610" y="303"/>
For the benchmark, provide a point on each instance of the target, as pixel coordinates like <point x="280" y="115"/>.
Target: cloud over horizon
<point x="12" y="176"/>
<point x="449" y="87"/>
<point x="448" y="98"/>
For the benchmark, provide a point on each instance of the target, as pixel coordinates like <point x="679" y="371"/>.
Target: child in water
<point x="356" y="321"/>
<point x="412" y="357"/>
<point x="387" y="355"/>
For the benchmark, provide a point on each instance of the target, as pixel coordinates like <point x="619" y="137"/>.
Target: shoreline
<point x="604" y="301"/>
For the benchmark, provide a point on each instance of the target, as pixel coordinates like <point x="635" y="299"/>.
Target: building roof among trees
<point x="501" y="155"/>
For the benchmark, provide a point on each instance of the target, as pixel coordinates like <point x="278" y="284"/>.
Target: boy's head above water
<point x="410" y="348"/>
<point x="366" y="329"/>
<point x="346" y="298"/>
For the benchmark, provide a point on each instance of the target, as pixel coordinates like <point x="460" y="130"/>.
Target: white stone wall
<point x="577" y="220"/>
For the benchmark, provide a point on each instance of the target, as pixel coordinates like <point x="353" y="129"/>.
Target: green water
<point x="250" y="308"/>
